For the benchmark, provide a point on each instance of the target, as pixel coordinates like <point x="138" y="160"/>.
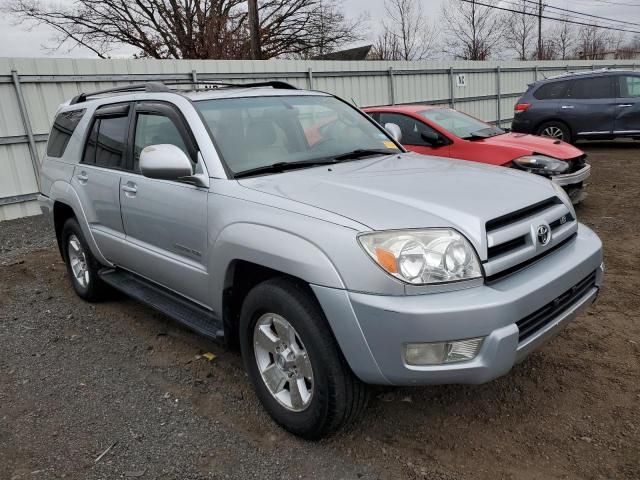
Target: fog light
<point x="442" y="352"/>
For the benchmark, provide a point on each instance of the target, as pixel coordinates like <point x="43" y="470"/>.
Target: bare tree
<point x="406" y="35"/>
<point x="183" y="28"/>
<point x="563" y="36"/>
<point x="520" y="29"/>
<point x="332" y="29"/>
<point x="386" y="47"/>
<point x="592" y="42"/>
<point x="473" y="31"/>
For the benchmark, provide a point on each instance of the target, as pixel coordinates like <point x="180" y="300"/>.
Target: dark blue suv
<point x="599" y="104"/>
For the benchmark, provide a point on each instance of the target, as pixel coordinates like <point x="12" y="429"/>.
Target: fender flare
<point x="273" y="248"/>
<point x="63" y="192"/>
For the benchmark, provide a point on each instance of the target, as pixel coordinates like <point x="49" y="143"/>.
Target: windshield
<point x="256" y="132"/>
<point x="460" y="124"/>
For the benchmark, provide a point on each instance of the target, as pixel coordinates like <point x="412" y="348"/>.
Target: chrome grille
<point x="512" y="239"/>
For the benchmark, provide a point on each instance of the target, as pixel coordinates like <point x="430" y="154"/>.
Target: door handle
<point x="567" y="106"/>
<point x="625" y="105"/>
<point x="131" y="189"/>
<point x="82" y="177"/>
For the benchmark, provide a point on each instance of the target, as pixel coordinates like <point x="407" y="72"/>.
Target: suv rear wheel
<point x="294" y="363"/>
<point x="81" y="264"/>
<point x="557" y="130"/>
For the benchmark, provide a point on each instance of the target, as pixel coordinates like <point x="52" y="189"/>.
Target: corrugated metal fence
<point x="32" y="89"/>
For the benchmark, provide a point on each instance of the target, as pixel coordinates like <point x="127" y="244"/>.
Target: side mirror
<point x="394" y="131"/>
<point x="432" y="138"/>
<point x="165" y="162"/>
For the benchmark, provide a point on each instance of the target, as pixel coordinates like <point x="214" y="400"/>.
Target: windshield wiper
<point x="283" y="166"/>
<point x="363" y="152"/>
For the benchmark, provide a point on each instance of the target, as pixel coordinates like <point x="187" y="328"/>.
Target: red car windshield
<point x="460" y="124"/>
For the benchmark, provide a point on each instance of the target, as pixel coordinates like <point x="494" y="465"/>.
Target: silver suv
<point x="291" y="224"/>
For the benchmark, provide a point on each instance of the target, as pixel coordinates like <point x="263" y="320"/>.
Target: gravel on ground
<point x="116" y="390"/>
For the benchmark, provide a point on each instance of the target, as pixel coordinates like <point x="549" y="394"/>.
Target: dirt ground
<point x="77" y="380"/>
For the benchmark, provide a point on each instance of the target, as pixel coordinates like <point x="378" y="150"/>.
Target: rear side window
<point x="63" y="127"/>
<point x="591" y="88"/>
<point x="550" y="91"/>
<point x="629" y="86"/>
<point x="106" y="144"/>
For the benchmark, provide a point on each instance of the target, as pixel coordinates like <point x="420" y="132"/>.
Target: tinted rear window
<point x="589" y="88"/>
<point x="106" y="143"/>
<point x="63" y="128"/>
<point x="550" y="91"/>
<point x="110" y="144"/>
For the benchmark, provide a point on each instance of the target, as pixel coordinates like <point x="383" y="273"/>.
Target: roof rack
<point x="585" y="72"/>
<point x="165" y="87"/>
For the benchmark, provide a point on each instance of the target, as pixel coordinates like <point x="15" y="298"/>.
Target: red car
<point x="445" y="132"/>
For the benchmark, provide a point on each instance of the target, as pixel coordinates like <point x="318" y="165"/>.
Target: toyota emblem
<point x="543" y="234"/>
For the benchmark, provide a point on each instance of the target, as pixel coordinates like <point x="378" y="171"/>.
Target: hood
<point x="529" y="144"/>
<point x="409" y="190"/>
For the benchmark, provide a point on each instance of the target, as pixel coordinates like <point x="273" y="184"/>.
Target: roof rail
<point x="585" y="72"/>
<point x="165" y="87"/>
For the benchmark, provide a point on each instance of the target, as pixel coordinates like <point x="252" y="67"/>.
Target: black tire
<point x="338" y="396"/>
<point x="95" y="289"/>
<point x="546" y="128"/>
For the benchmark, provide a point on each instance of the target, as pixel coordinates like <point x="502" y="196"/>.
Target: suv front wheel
<point x="294" y="363"/>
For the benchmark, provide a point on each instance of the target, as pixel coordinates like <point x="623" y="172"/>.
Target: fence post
<point x="452" y="101"/>
<point x="498" y="96"/>
<point x="310" y="78"/>
<point x="194" y="79"/>
<point x="535" y="73"/>
<point x="33" y="152"/>
<point x="392" y="90"/>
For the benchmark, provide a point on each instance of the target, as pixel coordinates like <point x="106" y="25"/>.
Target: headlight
<point x="541" y="164"/>
<point x="565" y="198"/>
<point x="422" y="257"/>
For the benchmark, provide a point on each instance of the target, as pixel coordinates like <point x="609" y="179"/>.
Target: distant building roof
<point x="358" y="53"/>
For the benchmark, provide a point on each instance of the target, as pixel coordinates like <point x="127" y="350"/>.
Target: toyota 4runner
<point x="294" y="226"/>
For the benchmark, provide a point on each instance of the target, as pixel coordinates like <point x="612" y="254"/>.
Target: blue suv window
<point x="629" y="86"/>
<point x="550" y="91"/>
<point x="591" y="88"/>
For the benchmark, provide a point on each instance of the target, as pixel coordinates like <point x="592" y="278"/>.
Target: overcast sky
<point x="15" y="41"/>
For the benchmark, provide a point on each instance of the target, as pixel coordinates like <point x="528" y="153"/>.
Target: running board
<point x="188" y="313"/>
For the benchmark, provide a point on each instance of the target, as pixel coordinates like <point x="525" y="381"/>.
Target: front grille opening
<point x="533" y="323"/>
<point x="516" y="268"/>
<point x="577" y="163"/>
<point x="529" y="211"/>
<point x="506" y="247"/>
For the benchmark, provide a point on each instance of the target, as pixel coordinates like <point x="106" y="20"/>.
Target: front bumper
<point x="574" y="178"/>
<point x="372" y="329"/>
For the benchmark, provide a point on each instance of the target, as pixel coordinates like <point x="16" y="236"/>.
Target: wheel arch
<point x="247" y="254"/>
<point x="66" y="201"/>
<point x="557" y="120"/>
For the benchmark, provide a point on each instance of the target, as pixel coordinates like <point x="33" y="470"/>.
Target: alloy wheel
<point x="78" y="261"/>
<point x="283" y="362"/>
<point x="553" y="132"/>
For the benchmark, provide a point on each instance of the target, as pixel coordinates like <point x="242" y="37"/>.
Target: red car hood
<point x="532" y="144"/>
